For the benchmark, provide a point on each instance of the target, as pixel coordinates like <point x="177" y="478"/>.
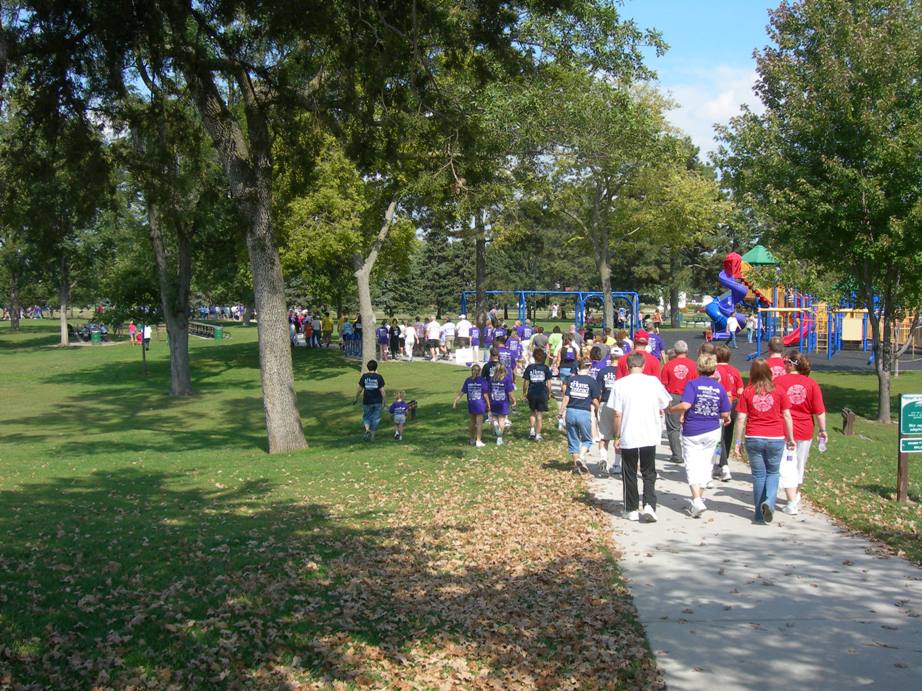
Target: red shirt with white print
<point x="764" y="411"/>
<point x="806" y="401"/>
<point x="678" y="372"/>
<point x="777" y="366"/>
<point x="730" y="378"/>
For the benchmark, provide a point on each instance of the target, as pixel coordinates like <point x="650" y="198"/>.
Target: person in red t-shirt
<point x="806" y="403"/>
<point x="764" y="420"/>
<point x="775" y="360"/>
<point x="651" y="364"/>
<point x="731" y="379"/>
<point x="676" y="373"/>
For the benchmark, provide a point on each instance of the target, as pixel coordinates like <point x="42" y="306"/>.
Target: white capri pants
<point x="699" y="455"/>
<point x="792" y="472"/>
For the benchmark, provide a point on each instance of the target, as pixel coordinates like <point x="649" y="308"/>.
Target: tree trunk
<point x="608" y="304"/>
<point x="246" y="156"/>
<point x="174" y="297"/>
<point x="673" y="290"/>
<point x="14" y="302"/>
<point x="63" y="294"/>
<point x="880" y="346"/>
<point x="674" y="306"/>
<point x="480" y="277"/>
<point x="363" y="267"/>
<point x="283" y="421"/>
<point x="367" y="313"/>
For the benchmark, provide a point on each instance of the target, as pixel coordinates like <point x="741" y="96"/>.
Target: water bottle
<point x="715" y="459"/>
<point x="822" y="444"/>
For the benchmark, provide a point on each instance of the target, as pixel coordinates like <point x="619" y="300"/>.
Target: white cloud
<point x="706" y="96"/>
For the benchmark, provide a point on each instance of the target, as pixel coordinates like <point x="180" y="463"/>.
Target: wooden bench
<point x="203" y="330"/>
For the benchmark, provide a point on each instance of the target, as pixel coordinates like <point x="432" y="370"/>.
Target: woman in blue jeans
<point x="764" y="419"/>
<point x="580" y="402"/>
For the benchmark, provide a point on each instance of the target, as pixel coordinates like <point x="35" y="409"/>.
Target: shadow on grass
<point x="133" y="578"/>
<point x="888" y="492"/>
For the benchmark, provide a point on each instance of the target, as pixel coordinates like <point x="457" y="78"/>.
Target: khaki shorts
<point x="606" y="422"/>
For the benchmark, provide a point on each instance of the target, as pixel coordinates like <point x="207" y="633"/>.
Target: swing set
<point x="583" y="299"/>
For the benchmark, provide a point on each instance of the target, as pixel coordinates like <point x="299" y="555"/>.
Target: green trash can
<point x="95" y="337"/>
<point x="219" y="333"/>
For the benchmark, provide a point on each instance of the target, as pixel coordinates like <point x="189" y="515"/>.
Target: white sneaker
<point x="709" y="485"/>
<point x="697" y="508"/>
<point x="725" y="474"/>
<point x="791" y="509"/>
<point x="479" y="444"/>
<point x="538" y="437"/>
<point x="649" y="515"/>
<point x="499" y="441"/>
<point x="632" y="515"/>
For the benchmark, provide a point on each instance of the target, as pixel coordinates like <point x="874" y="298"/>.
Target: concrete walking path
<point x="799" y="603"/>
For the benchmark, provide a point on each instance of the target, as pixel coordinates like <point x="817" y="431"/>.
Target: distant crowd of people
<point x="229" y="312"/>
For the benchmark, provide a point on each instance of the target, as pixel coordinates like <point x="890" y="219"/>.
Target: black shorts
<point x="464" y="341"/>
<point x="433" y="343"/>
<point x="536" y="404"/>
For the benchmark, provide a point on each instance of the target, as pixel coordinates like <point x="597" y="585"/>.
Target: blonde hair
<point x="499" y="373"/>
<point x="707" y="364"/>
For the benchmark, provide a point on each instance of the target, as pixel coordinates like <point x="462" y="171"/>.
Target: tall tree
<point x="604" y="139"/>
<point x="834" y="159"/>
<point x="173" y="167"/>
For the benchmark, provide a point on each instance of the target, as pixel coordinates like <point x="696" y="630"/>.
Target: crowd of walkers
<point x="617" y="396"/>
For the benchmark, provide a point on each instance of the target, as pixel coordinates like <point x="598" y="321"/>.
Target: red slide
<point x="793" y="338"/>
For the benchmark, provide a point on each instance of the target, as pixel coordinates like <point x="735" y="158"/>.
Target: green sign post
<point x="909" y="440"/>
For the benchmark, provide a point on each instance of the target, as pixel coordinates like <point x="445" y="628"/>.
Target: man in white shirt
<point x="463" y="331"/>
<point x="433" y="336"/>
<point x="448" y="333"/>
<point x="637" y="402"/>
<point x="733" y="325"/>
<point x="146" y="334"/>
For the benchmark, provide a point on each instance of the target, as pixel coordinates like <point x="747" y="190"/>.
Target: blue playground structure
<point x="629" y="300"/>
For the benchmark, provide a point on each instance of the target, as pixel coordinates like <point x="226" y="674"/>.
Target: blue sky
<point x="708" y="69"/>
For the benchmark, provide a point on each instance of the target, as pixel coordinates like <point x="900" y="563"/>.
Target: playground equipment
<point x="719" y="309"/>
<point x="582" y="299"/>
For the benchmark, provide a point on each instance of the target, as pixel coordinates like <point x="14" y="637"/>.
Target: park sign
<point x="910" y="445"/>
<point x="911" y="414"/>
<point x="909" y="440"/>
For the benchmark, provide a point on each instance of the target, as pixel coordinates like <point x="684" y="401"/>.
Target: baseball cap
<point x="641" y="336"/>
<point x="462" y="316"/>
<point x="616" y="352"/>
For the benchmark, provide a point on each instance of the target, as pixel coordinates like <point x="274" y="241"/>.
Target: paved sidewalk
<point x="728" y="604"/>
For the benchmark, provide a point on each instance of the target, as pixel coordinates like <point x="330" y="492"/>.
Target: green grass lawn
<point x="855" y="480"/>
<point x="150" y="541"/>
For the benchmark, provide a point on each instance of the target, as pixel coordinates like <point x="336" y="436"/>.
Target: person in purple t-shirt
<point x="528" y="330"/>
<point x="500" y="397"/>
<point x="514" y="346"/>
<point x="705" y="406"/>
<point x="398" y="410"/>
<point x="475" y="388"/>
<point x="506" y="357"/>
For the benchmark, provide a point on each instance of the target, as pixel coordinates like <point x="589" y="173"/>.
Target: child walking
<point x="398" y="410"/>
<point x="500" y="397"/>
<point x="474" y="388"/>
